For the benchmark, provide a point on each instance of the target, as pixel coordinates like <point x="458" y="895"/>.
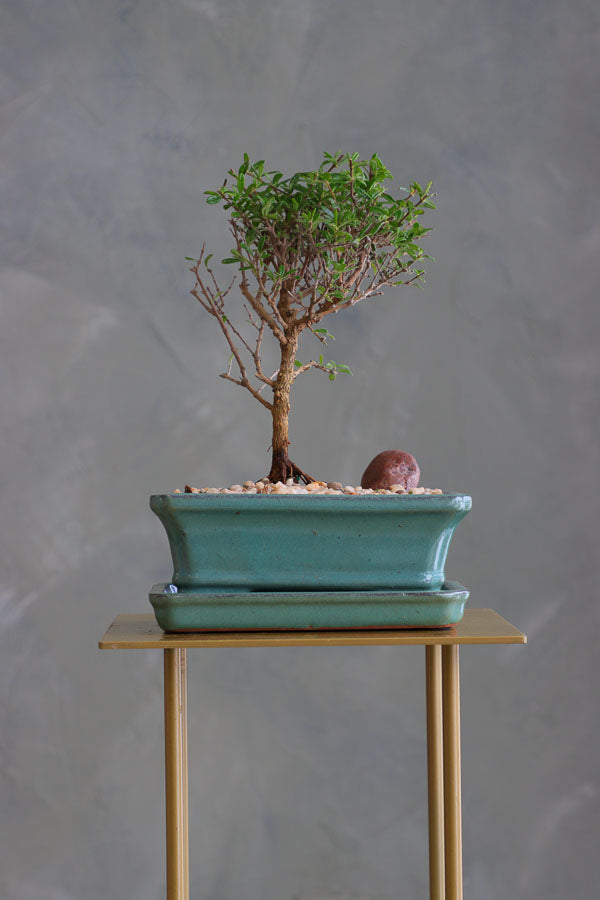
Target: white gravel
<point x="264" y="486"/>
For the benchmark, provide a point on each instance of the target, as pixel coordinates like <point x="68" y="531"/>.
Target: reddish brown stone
<point x="391" y="467"/>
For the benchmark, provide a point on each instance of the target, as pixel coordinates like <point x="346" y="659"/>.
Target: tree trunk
<point x="281" y="466"/>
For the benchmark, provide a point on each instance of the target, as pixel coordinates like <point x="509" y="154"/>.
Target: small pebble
<point x="334" y="485"/>
<point x="249" y="484"/>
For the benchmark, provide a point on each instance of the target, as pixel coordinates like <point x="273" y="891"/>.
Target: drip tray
<point x="188" y="610"/>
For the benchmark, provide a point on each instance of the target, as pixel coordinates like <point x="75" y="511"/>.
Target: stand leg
<point x="435" y="770"/>
<point x="452" y="798"/>
<point x="176" y="774"/>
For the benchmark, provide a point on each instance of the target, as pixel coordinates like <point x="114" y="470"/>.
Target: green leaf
<point x="297" y="363"/>
<point x="208" y="259"/>
<point x="325" y="333"/>
<point x="190" y="259"/>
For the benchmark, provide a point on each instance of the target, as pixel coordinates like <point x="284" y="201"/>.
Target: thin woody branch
<point x="244" y="383"/>
<point x="257" y="360"/>
<point x="313" y="364"/>
<point x="261" y="312"/>
<point x="254" y="299"/>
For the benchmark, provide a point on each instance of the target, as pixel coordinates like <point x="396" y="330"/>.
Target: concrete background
<point x="114" y="118"/>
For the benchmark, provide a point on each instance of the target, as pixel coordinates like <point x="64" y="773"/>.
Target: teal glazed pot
<point x="236" y="543"/>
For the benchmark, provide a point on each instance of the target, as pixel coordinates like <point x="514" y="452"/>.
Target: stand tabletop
<point x="142" y="632"/>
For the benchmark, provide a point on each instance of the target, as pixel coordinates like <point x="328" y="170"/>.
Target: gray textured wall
<point x="115" y="117"/>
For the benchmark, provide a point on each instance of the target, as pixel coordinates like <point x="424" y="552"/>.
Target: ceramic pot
<point x="236" y="543"/>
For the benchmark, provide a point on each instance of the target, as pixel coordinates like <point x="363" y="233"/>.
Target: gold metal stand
<point x="435" y="770"/>
<point x="452" y="806"/>
<point x="176" y="774"/>
<point x="479" y="626"/>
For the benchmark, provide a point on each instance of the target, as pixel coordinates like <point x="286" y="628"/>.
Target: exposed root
<point x="283" y="468"/>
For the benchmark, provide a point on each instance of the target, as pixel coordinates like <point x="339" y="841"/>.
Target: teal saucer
<point x="192" y="610"/>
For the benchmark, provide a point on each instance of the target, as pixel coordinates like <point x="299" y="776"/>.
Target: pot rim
<point x="338" y="502"/>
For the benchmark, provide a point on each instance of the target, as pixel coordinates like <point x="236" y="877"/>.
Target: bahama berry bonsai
<point x="306" y="247"/>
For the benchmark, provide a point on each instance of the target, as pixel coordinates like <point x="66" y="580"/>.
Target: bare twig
<point x="213" y="303"/>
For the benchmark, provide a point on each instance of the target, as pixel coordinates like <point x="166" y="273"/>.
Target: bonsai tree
<point x="306" y="247"/>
